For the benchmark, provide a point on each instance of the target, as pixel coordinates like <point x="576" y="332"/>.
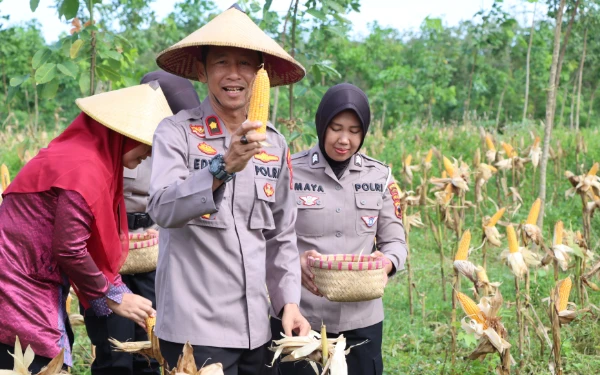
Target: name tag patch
<point x="272" y="172"/>
<point x="368" y="187"/>
<point x="299" y="186"/>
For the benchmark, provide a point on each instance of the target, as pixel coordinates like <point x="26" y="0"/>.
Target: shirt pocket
<point x="262" y="216"/>
<point x="311" y="219"/>
<point x="367" y="208"/>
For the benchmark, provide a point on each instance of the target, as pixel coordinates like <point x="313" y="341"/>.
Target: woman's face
<point x="343" y="136"/>
<point x="134" y="157"/>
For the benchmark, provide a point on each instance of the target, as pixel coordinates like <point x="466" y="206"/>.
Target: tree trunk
<point x="550" y="103"/>
<point x="591" y="106"/>
<point x="562" y="107"/>
<point x="580" y="79"/>
<point x="275" y="104"/>
<point x="293" y="53"/>
<point x="565" y="42"/>
<point x="572" y="113"/>
<point x="283" y="33"/>
<point x="468" y="101"/>
<point x="531" y="31"/>
<point x="500" y="106"/>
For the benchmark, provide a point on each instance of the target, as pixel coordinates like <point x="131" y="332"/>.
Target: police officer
<point x="180" y="94"/>
<point x="224" y="204"/>
<point x="345" y="201"/>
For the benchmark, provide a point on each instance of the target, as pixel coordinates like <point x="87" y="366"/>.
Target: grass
<point x="421" y="345"/>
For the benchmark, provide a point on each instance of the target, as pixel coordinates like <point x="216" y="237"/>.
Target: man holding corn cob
<point x="224" y="203"/>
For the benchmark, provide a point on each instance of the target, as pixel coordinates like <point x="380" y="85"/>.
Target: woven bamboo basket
<point x="143" y="254"/>
<point x="348" y="277"/>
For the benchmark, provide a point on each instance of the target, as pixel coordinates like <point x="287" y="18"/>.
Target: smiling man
<point x="224" y="204"/>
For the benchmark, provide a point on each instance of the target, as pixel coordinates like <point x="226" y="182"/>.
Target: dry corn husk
<point x="309" y="348"/>
<point x="24" y="359"/>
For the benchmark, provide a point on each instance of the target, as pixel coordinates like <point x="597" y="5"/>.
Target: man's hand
<point x="151" y="232"/>
<point x="134" y="307"/>
<point x="388" y="266"/>
<point x="292" y="320"/>
<point x="307" y="275"/>
<point x="238" y="154"/>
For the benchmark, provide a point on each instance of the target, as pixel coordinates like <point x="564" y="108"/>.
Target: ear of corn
<point x="444" y="174"/>
<point x="513" y="245"/>
<point x="259" y="101"/>
<point x="508" y="149"/>
<point x="563" y="294"/>
<point x="482" y="275"/>
<point x="494" y="219"/>
<point x="594" y="169"/>
<point x="463" y="246"/>
<point x="448" y="167"/>
<point x="558" y="232"/>
<point x="4" y="176"/>
<point x="324" y="346"/>
<point x="534" y="212"/>
<point x="489" y="143"/>
<point x="536" y="143"/>
<point x="408" y="160"/>
<point x="150" y="323"/>
<point x="470" y="308"/>
<point x="429" y="156"/>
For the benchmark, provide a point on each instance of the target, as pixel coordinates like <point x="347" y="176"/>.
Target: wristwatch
<point x="216" y="167"/>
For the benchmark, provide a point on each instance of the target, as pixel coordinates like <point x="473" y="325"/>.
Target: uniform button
<point x="299" y="201"/>
<point x="338" y="234"/>
<point x="363" y="202"/>
<point x="378" y="203"/>
<point x="338" y="210"/>
<point x="203" y="199"/>
<point x="318" y="203"/>
<point x="338" y="187"/>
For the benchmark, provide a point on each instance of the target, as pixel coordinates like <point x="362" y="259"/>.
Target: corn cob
<point x="324" y="346"/>
<point x="594" y="169"/>
<point x="4" y="177"/>
<point x="482" y="275"/>
<point x="534" y="212"/>
<point x="494" y="219"/>
<point x="150" y="323"/>
<point x="563" y="294"/>
<point x="536" y="142"/>
<point x="449" y="167"/>
<point x="408" y="160"/>
<point x="463" y="246"/>
<point x="471" y="309"/>
<point x="510" y="151"/>
<point x="489" y="143"/>
<point x="429" y="156"/>
<point x="448" y="196"/>
<point x="513" y="245"/>
<point x="558" y="232"/>
<point x="259" y="100"/>
<point x="444" y="174"/>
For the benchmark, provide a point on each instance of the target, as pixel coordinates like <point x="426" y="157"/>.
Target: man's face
<point x="229" y="73"/>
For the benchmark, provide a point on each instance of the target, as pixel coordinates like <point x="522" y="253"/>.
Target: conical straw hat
<point x="134" y="111"/>
<point x="232" y="28"/>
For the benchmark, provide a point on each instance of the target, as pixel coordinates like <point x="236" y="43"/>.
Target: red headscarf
<point x="87" y="158"/>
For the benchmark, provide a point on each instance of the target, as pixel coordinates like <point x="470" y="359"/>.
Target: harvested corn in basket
<point x="348" y="277"/>
<point x="143" y="254"/>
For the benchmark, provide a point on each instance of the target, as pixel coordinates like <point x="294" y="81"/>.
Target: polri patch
<point x="268" y="189"/>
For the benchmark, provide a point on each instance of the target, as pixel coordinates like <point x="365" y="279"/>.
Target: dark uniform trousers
<point x="364" y="359"/>
<point x="234" y="361"/>
<point x="101" y="328"/>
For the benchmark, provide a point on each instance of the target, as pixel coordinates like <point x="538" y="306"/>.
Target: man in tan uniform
<point x="224" y="204"/>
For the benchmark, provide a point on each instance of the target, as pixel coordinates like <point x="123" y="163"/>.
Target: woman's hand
<point x="134" y="307"/>
<point x="307" y="275"/>
<point x="387" y="264"/>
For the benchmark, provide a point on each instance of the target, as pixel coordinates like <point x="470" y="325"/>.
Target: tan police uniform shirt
<point x="218" y="249"/>
<point x="345" y="216"/>
<point x="136" y="183"/>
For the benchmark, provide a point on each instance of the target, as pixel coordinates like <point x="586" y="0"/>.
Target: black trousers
<point x="101" y="328"/>
<point x="234" y="361"/>
<point x="364" y="359"/>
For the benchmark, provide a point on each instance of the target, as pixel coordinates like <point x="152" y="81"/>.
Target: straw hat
<point x="232" y="28"/>
<point x="134" y="111"/>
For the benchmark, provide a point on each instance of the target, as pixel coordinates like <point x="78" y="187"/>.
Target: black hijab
<point x="180" y="92"/>
<point x="338" y="99"/>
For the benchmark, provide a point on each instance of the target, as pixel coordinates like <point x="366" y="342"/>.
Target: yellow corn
<point x="150" y="323"/>
<point x="534" y="212"/>
<point x="513" y="245"/>
<point x="408" y="160"/>
<point x="489" y="143"/>
<point x="593" y="170"/>
<point x="324" y="346"/>
<point x="510" y="151"/>
<point x="482" y="275"/>
<point x="558" y="232"/>
<point x="448" y="190"/>
<point x="429" y="156"/>
<point x="4" y="177"/>
<point x="494" y="219"/>
<point x="449" y="167"/>
<point x="444" y="174"/>
<point x="563" y="294"/>
<point x="471" y="309"/>
<point x="492" y="168"/>
<point x="536" y="143"/>
<point x="259" y="101"/>
<point x="463" y="246"/>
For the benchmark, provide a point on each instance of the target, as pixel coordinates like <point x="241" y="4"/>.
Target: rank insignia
<point x="213" y="126"/>
<point x="315" y="158"/>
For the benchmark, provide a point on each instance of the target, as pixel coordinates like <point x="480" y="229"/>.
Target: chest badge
<point x="207" y="149"/>
<point x="369" y="220"/>
<point x="268" y="189"/>
<point x="198" y="130"/>
<point x="213" y="126"/>
<point x="315" y="158"/>
<point x="358" y="160"/>
<point x="265" y="157"/>
<point x="309" y="200"/>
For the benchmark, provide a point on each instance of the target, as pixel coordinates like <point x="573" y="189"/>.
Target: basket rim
<point x="148" y="240"/>
<point x="349" y="262"/>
